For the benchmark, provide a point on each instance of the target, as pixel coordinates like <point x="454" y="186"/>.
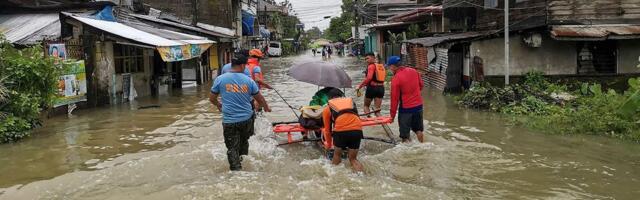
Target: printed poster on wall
<point x="183" y="52"/>
<point x="58" y="52"/>
<point x="72" y="84"/>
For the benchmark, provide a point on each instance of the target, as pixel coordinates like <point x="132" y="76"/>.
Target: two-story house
<point x="563" y="38"/>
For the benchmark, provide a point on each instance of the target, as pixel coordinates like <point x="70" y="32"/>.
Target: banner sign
<point x="72" y="84"/>
<point x="182" y="52"/>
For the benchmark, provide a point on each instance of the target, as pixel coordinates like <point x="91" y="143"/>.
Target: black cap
<point x="335" y="93"/>
<point x="239" y="59"/>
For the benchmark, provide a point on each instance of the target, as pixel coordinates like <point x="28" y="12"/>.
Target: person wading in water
<point x="374" y="81"/>
<point x="406" y="88"/>
<point x="237" y="91"/>
<point x="343" y="125"/>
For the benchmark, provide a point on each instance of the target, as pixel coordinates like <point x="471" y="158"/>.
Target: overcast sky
<point x="312" y="12"/>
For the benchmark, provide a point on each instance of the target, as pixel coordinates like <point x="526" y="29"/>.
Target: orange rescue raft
<point x="291" y="128"/>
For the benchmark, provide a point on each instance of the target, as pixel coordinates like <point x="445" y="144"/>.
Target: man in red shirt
<point x="374" y="81"/>
<point x="406" y="88"/>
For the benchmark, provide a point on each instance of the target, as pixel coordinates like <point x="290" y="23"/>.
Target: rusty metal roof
<point x="417" y="13"/>
<point x="595" y="32"/>
<point x="437" y="39"/>
<point x="200" y="27"/>
<point x="29" y="29"/>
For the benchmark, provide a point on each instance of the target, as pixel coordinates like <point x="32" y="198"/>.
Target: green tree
<point x="314" y="33"/>
<point x="27" y="85"/>
<point x="413" y="31"/>
<point x="340" y="27"/>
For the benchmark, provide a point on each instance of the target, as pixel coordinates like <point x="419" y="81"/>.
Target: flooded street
<point x="176" y="151"/>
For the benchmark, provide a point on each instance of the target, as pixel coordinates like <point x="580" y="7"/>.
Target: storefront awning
<point x="173" y="46"/>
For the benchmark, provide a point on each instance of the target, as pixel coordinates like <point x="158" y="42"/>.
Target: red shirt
<point x="371" y="69"/>
<point x="406" y="86"/>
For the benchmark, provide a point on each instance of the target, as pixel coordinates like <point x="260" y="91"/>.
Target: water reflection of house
<point x="567" y="40"/>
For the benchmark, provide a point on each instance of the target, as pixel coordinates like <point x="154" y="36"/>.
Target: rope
<point x="285" y="101"/>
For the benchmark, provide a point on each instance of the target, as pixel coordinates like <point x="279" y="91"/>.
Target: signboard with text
<point x="72" y="84"/>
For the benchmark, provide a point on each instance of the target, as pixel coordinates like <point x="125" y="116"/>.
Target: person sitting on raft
<point x="320" y="98"/>
<point x="311" y="116"/>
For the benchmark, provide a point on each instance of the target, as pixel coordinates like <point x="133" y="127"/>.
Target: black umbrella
<point x="321" y="73"/>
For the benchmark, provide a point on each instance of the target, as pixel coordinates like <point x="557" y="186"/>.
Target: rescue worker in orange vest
<point x="255" y="71"/>
<point x="374" y="81"/>
<point x="342" y="127"/>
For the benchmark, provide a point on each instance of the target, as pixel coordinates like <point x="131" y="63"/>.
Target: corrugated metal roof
<point x="595" y="32"/>
<point x="414" y="14"/>
<point x="220" y="30"/>
<point x="30" y="28"/>
<point x="155" y="37"/>
<point x="384" y="25"/>
<point x="392" y="2"/>
<point x="202" y="28"/>
<point x="431" y="41"/>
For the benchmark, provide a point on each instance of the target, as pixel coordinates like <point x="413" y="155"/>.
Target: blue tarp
<point x="247" y="23"/>
<point x="105" y="14"/>
<point x="264" y="33"/>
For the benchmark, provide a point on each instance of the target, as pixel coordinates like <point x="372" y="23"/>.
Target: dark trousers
<point x="236" y="138"/>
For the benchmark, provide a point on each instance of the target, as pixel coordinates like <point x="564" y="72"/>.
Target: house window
<point x="597" y="57"/>
<point x="128" y="59"/>
<point x="490" y="3"/>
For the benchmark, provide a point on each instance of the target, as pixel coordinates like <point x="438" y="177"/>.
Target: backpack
<point x="380" y="74"/>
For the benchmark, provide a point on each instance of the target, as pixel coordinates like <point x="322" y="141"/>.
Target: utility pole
<point x="194" y="20"/>
<point x="356" y="22"/>
<point x="442" y="16"/>
<point x="506" y="42"/>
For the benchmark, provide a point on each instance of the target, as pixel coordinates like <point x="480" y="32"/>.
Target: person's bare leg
<point x="353" y="159"/>
<point x="367" y="104"/>
<point x="378" y="105"/>
<point x="337" y="156"/>
<point x="420" y="136"/>
<point x="406" y="140"/>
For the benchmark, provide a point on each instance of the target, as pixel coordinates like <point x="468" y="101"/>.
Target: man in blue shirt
<point x="237" y="91"/>
<point x="227" y="68"/>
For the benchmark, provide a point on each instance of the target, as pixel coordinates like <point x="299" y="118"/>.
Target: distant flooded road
<point x="176" y="151"/>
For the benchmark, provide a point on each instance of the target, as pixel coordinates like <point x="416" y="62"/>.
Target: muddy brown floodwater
<point x="176" y="151"/>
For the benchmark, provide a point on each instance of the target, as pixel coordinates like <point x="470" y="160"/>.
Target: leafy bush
<point x="27" y="85"/>
<point x="589" y="110"/>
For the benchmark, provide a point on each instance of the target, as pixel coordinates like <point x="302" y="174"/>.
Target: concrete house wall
<point x="111" y="82"/>
<point x="552" y="58"/>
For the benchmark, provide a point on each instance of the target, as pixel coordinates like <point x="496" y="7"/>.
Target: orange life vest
<point x="339" y="107"/>
<point x="251" y="65"/>
<point x="379" y="74"/>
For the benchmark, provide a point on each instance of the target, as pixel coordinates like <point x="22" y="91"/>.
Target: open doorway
<point x="599" y="57"/>
<point x="454" y="69"/>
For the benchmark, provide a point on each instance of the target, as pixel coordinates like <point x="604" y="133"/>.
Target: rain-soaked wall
<point x="111" y="82"/>
<point x="552" y="57"/>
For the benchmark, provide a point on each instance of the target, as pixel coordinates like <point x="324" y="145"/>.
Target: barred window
<point x="128" y="59"/>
